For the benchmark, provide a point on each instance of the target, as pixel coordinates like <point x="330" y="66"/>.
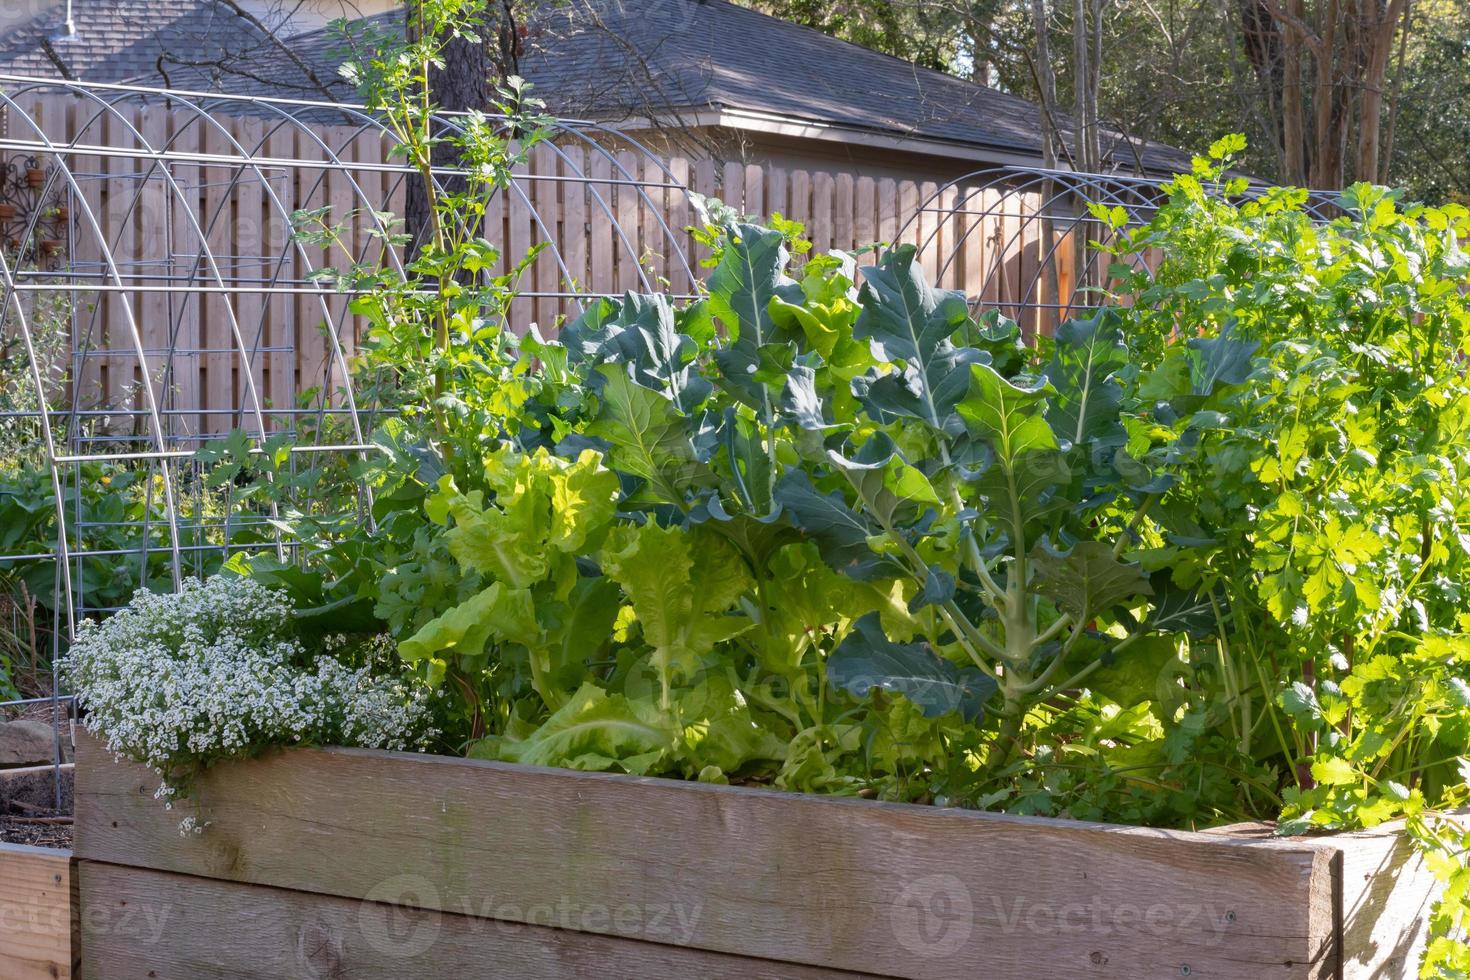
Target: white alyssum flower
<point x="181" y="681"/>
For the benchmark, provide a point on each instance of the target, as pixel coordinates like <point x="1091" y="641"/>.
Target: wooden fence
<point x="181" y="264"/>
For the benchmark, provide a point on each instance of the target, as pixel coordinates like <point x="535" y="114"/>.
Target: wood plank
<point x="678" y="216"/>
<point x="520" y="236"/>
<point x="174" y="927"/>
<point x="756" y="186"/>
<point x="732" y="187"/>
<point x="118" y="359"/>
<point x="310" y="313"/>
<point x="841" y="883"/>
<point x="245" y="271"/>
<point x="220" y="359"/>
<point x="574" y="224"/>
<point x="279" y="269"/>
<point x="799" y="197"/>
<point x="947" y="248"/>
<point x="371" y="194"/>
<point x="913" y="225"/>
<point x="973" y="248"/>
<point x="887" y="213"/>
<point x="777" y="183"/>
<point x="185" y="309"/>
<point x="342" y="197"/>
<point x="546" y="275"/>
<point x="602" y="245"/>
<point x="865" y="212"/>
<point x="821" y="224"/>
<point x="631" y="276"/>
<point x="844" y="234"/>
<point x="1387" y="897"/>
<point x="37" y="913"/>
<point x="154" y="195"/>
<point x="706" y="184"/>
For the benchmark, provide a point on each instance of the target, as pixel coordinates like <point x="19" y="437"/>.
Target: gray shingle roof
<point x="713" y="54"/>
<point x="614" y="60"/>
<point x="122" y="39"/>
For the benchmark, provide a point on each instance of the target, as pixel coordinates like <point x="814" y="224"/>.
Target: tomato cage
<point x="1024" y="241"/>
<point x="157" y="300"/>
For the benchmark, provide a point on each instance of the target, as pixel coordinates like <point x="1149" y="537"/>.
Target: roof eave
<point x="773" y="124"/>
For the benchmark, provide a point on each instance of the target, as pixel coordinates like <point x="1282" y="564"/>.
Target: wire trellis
<point x="1022" y="239"/>
<point x="190" y="309"/>
<point x="163" y="258"/>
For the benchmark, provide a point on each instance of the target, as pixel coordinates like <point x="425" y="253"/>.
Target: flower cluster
<point x="179" y="682"/>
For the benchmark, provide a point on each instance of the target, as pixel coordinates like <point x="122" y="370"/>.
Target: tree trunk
<point x="1081" y="73"/>
<point x="1327" y="152"/>
<point x="1379" y="25"/>
<point x="1046" y="84"/>
<point x="1386" y="161"/>
<point x="466" y="81"/>
<point x="1293" y="119"/>
<point x="1260" y="37"/>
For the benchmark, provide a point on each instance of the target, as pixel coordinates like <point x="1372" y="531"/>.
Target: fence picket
<point x="613" y="232"/>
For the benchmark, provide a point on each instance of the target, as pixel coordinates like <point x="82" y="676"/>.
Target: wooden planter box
<point x="351" y="863"/>
<point x="38" y="920"/>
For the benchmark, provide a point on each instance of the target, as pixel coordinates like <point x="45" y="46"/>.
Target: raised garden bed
<point x="373" y="864"/>
<point x="38" y="921"/>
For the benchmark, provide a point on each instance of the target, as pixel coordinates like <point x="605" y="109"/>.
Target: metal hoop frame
<point x="1024" y="200"/>
<point x="151" y="246"/>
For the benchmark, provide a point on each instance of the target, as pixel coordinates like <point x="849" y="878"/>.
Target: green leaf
<point x="594" y="731"/>
<point x="903" y="316"/>
<point x="1334" y="771"/>
<point x="680" y="584"/>
<point x="1088" y="580"/>
<point x="1087" y="356"/>
<point x="749" y="463"/>
<point x="496" y="613"/>
<point x="505" y="545"/>
<point x="927" y="391"/>
<point x="1300" y="701"/>
<point x="1136" y="674"/>
<point x="640" y="334"/>
<point x="867" y="659"/>
<point x="1177" y="610"/>
<point x="1221" y="360"/>
<point x="1011" y="418"/>
<point x="840" y="532"/>
<point x="576" y="629"/>
<point x="719" y="729"/>
<point x="583" y="500"/>
<point x="909" y="325"/>
<point x="647" y="436"/>
<point x="750" y="274"/>
<point x="1024" y="493"/>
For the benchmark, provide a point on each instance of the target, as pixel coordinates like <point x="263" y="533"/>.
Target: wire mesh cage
<point x="158" y="300"/>
<point x="162" y="313"/>
<point x="1022" y="240"/>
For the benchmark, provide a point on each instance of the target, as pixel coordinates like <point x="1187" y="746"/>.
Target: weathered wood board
<point x="37" y="913"/>
<point x="174" y="927"/>
<point x="831" y="884"/>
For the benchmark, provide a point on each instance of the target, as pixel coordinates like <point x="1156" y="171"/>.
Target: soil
<point x="22" y="823"/>
<point x="34" y="827"/>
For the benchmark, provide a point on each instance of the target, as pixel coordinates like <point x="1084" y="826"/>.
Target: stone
<point x="26" y="743"/>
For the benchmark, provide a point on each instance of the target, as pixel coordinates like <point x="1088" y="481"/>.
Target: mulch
<point x="36" y="826"/>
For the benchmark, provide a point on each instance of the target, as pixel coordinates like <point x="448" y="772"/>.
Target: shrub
<point x="183" y="681"/>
